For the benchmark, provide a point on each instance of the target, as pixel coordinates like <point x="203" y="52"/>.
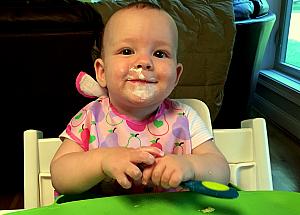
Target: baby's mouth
<point x="136" y="76"/>
<point x="142" y="81"/>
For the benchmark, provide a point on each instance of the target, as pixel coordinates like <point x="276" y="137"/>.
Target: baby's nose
<point x="144" y="62"/>
<point x="144" y="66"/>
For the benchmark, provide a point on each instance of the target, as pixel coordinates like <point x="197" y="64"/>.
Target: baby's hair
<point x="98" y="48"/>
<point x="141" y="5"/>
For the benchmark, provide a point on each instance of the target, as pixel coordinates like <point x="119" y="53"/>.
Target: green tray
<point x="248" y="202"/>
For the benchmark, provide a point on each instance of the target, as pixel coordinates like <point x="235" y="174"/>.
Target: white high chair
<point x="246" y="150"/>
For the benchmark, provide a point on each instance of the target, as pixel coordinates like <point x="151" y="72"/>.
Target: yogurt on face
<point x="139" y="72"/>
<point x="144" y="91"/>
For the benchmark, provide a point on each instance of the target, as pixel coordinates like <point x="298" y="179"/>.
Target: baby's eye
<point x="126" y="52"/>
<point x="160" y="54"/>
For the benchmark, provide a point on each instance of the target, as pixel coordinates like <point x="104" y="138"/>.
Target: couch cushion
<point x="206" y="37"/>
<point x="47" y="16"/>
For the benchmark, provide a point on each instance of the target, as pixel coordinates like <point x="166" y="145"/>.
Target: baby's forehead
<point x="155" y="11"/>
<point x="123" y="16"/>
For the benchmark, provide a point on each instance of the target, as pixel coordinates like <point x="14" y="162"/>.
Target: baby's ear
<point x="99" y="69"/>
<point x="179" y="70"/>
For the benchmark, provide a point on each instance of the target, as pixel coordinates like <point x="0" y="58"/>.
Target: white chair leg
<point x="31" y="190"/>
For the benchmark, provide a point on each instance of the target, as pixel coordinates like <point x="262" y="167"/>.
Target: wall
<point x="268" y="61"/>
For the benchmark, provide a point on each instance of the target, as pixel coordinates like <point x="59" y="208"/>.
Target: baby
<point x="135" y="139"/>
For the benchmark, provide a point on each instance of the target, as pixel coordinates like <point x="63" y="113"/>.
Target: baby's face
<point x="139" y="59"/>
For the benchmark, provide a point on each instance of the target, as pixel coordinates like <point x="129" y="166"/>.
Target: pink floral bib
<point x="99" y="124"/>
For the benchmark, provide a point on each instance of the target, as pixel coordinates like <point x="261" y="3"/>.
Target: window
<point x="288" y="48"/>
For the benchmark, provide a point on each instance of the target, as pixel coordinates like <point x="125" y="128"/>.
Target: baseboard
<point x="277" y="115"/>
<point x="278" y="102"/>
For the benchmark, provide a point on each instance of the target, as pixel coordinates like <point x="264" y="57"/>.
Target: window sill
<point x="282" y="79"/>
<point x="282" y="84"/>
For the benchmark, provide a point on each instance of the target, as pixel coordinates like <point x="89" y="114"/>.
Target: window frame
<point x="281" y="45"/>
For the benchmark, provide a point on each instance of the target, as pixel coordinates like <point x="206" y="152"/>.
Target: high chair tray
<point x="248" y="202"/>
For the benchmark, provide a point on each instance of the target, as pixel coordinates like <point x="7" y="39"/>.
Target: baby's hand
<point x="168" y="171"/>
<point x="121" y="163"/>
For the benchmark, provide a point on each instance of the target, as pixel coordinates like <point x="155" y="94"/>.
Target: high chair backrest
<point x="38" y="153"/>
<point x="246" y="150"/>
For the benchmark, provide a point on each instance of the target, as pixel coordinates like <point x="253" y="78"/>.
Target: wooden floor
<point x="11" y="201"/>
<point x="285" y="161"/>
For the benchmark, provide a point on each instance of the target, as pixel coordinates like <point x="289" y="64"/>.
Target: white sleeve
<point x="198" y="130"/>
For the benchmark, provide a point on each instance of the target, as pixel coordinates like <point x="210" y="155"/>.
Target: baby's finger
<point x="138" y="156"/>
<point x="123" y="181"/>
<point x="157" y="174"/>
<point x="156" y="152"/>
<point x="147" y="174"/>
<point x="133" y="172"/>
<point x="175" y="180"/>
<point x="165" y="178"/>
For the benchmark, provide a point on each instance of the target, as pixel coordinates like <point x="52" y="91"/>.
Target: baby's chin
<point x="145" y="92"/>
<point x="144" y="96"/>
<point x="142" y="99"/>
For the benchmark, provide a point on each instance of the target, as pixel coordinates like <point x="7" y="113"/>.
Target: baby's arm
<point x="209" y="164"/>
<point x="205" y="163"/>
<point x="74" y="170"/>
